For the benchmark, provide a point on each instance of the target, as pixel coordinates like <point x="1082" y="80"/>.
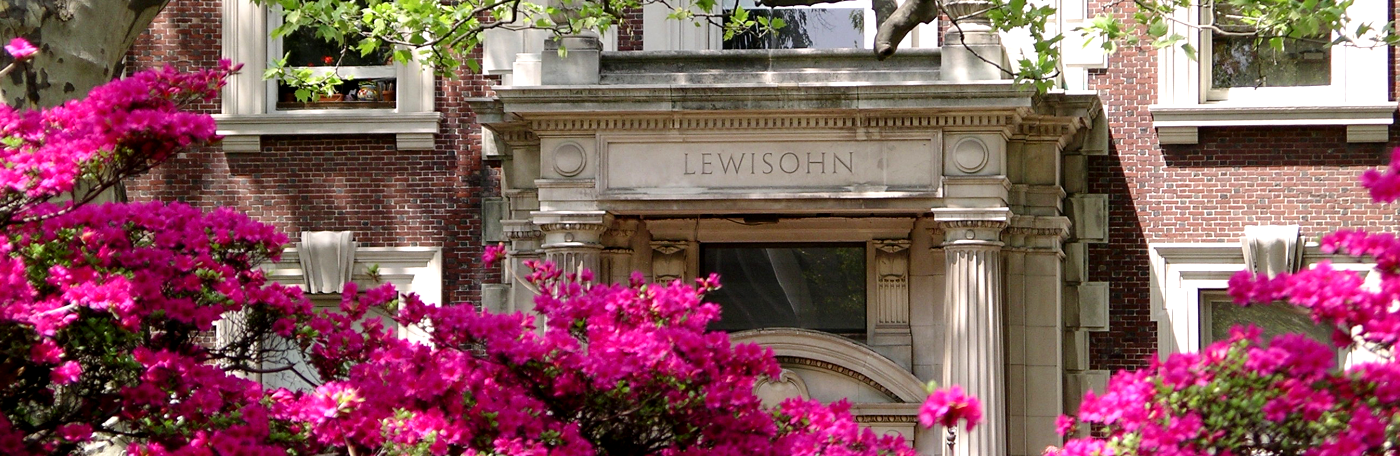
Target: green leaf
<point x="1158" y="28"/>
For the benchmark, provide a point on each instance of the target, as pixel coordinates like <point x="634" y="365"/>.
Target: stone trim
<point x="823" y="365"/>
<point x="243" y="132"/>
<point x="865" y="419"/>
<point x="411" y="269"/>
<point x="1178" y="124"/>
<point x="825" y="351"/>
<point x="768" y="122"/>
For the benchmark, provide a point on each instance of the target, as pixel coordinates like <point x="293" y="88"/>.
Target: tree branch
<point x="900" y="23"/>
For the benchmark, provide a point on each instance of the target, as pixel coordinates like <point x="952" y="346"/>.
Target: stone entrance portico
<point x="956" y="189"/>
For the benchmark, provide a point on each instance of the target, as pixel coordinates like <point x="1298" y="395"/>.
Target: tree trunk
<point x="81" y="45"/>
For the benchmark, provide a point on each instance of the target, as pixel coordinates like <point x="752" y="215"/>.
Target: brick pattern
<point x="185" y="35"/>
<point x="1206" y="192"/>
<point x="629" y="31"/>
<point x="361" y="183"/>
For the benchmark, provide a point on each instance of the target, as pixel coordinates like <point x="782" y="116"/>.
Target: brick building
<point x="879" y="224"/>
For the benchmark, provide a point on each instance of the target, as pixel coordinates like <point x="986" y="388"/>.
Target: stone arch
<point x="839" y="355"/>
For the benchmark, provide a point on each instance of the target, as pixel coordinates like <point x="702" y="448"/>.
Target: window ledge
<point x="1178" y="124"/>
<point x="242" y="133"/>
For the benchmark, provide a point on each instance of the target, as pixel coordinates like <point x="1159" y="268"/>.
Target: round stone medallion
<point x="569" y="159"/>
<point x="970" y="155"/>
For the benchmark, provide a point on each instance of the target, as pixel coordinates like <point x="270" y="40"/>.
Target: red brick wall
<point x="359" y="183"/>
<point x="629" y="32"/>
<point x="1206" y="192"/>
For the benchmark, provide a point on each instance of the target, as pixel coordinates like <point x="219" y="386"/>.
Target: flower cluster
<point x="119" y="129"/>
<point x="1282" y="396"/>
<point x="20" y="49"/>
<point x="947" y="406"/>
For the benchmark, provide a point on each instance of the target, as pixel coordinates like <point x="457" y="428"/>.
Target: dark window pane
<point x="820" y="287"/>
<point x="806" y="28"/>
<point x="1272" y="320"/>
<point x="1236" y="61"/>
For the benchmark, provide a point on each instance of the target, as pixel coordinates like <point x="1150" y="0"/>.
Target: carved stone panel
<point x="668" y="260"/>
<point x="892" y="285"/>
<point x="658" y="168"/>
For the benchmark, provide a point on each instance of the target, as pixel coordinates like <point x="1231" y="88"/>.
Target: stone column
<point x="973" y="352"/>
<point x="574" y="245"/>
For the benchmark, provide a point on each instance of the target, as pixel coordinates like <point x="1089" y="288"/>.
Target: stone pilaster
<point x="617" y="254"/>
<point x="1032" y="257"/>
<point x="974" y="355"/>
<point x="524" y="239"/>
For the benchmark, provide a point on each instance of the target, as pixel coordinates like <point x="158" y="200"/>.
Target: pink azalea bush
<point x="108" y="311"/>
<point x="1243" y="396"/>
<point x="945" y="407"/>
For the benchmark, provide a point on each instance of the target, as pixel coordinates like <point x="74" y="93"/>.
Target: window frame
<point x="662" y="34"/>
<point x="868" y="34"/>
<point x="1183" y="274"/>
<point x="275" y="51"/>
<point x="246" y="116"/>
<point x="869" y="231"/>
<point x="1262" y="95"/>
<point x="1358" y="97"/>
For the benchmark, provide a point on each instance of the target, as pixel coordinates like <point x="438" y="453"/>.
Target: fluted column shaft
<point x="974" y="355"/>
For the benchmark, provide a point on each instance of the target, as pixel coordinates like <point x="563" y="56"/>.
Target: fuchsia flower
<point x="493" y="254"/>
<point x="20" y="48"/>
<point x="66" y="373"/>
<point x="948" y="405"/>
<point x="76" y="432"/>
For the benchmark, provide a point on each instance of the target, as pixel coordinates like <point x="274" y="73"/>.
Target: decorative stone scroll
<point x="773" y="391"/>
<point x="668" y="260"/>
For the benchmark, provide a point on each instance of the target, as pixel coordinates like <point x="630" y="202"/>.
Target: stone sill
<point x="243" y="133"/>
<point x="1366" y="123"/>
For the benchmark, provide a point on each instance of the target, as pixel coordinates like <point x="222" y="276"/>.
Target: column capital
<point x="520" y="230"/>
<point x="1037" y="233"/>
<point x="972" y="227"/>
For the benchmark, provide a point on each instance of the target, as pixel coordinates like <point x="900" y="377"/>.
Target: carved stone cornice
<point x="520" y="230"/>
<point x="619" y="233"/>
<point x="1054" y="129"/>
<point x="886" y="418"/>
<point x="973" y="224"/>
<point x="1037" y="232"/>
<point x="1061" y="233"/>
<point x="892" y="245"/>
<point x="518" y="137"/>
<point x="765" y="122"/>
<point x="669" y="247"/>
<point x="573" y="226"/>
